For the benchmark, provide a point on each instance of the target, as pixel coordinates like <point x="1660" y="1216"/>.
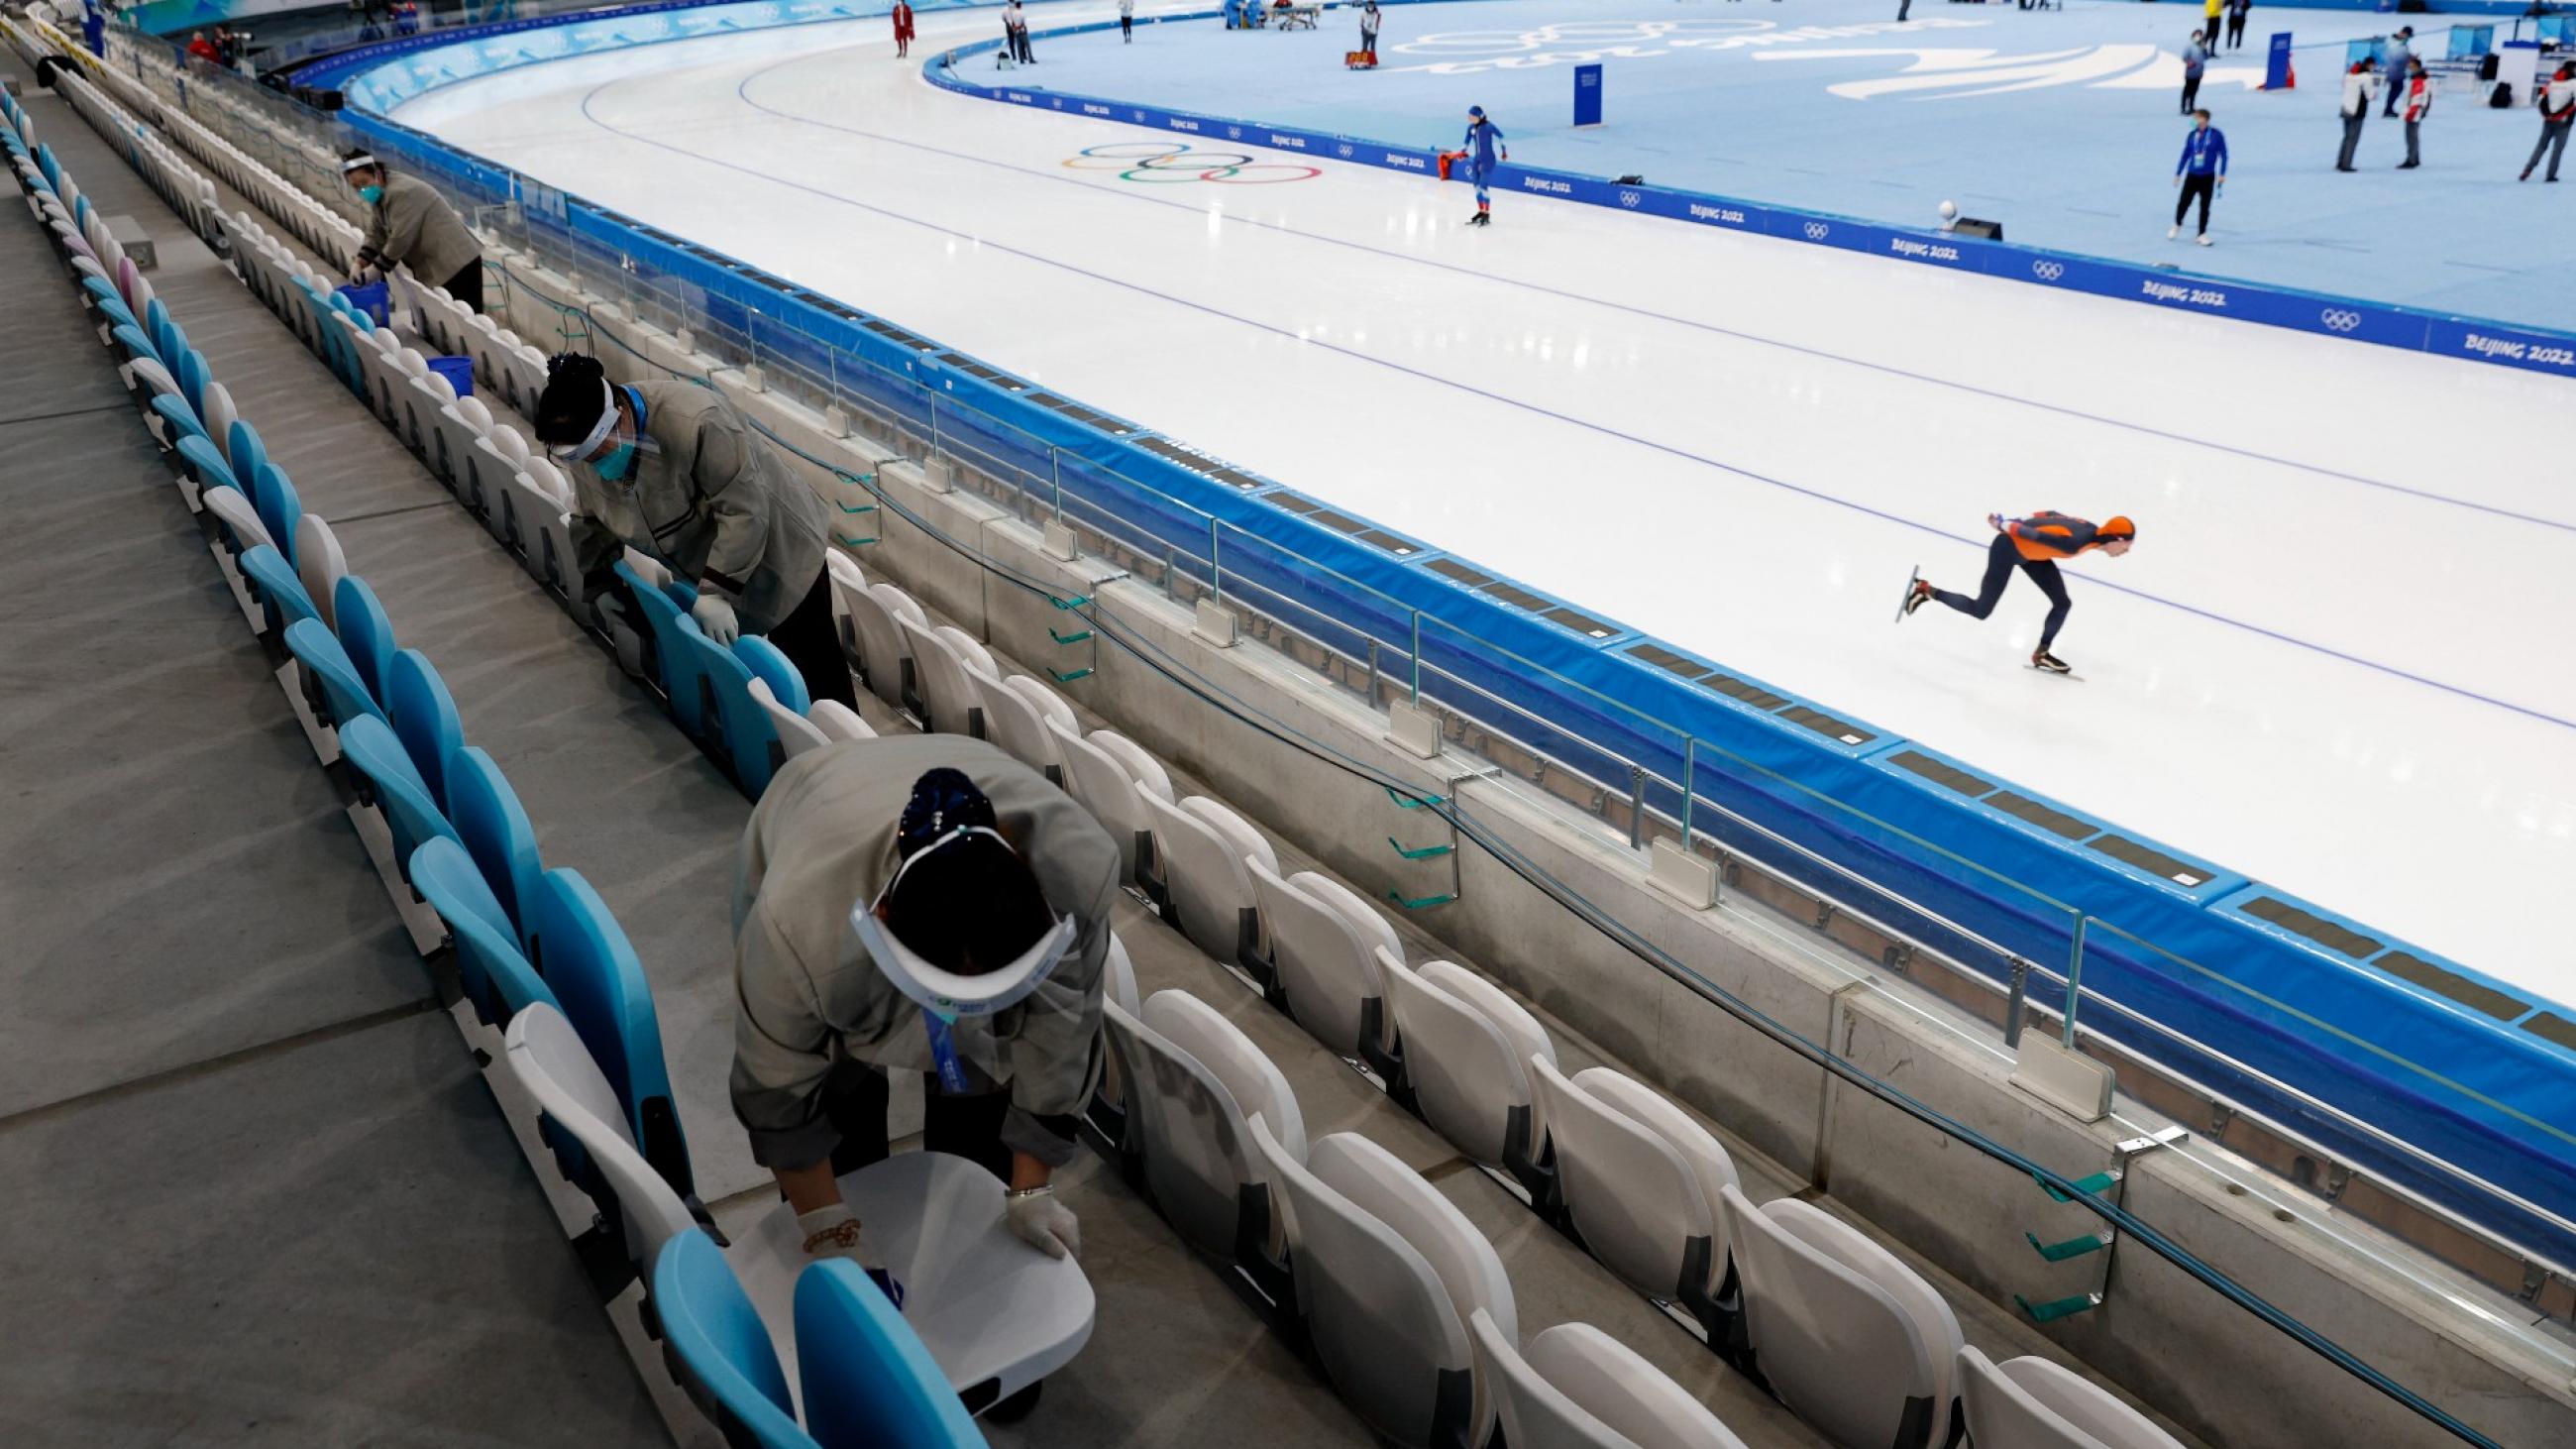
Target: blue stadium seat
<point x="203" y="463"/>
<point x="244" y="450"/>
<point x="495" y="976"/>
<point x="867" y="1377"/>
<point x="281" y="593"/>
<point x="156" y="323"/>
<point x="190" y="368"/>
<point x="364" y="631"/>
<point x="666" y="624"/>
<point x="279" y="508"/>
<point x="770" y="666"/>
<point x="600" y="983"/>
<point x="743" y="733"/>
<point x="720" y="1349"/>
<point x="180" y="423"/>
<point x="135" y="344"/>
<point x="345" y="696"/>
<point x="488" y="818"/>
<point x="109" y="305"/>
<point x="424" y="718"/>
<point x="372" y="751"/>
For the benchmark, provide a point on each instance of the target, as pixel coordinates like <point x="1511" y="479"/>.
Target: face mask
<point x="371" y="194"/>
<point x="619" y="462"/>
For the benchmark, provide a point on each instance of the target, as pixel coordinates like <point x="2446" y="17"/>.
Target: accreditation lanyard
<point x="943" y="1052"/>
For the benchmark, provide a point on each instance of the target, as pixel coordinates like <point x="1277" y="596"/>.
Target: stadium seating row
<point x="531" y="945"/>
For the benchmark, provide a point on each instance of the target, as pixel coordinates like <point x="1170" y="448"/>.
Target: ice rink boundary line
<point x="742" y="92"/>
<point x="1668" y="449"/>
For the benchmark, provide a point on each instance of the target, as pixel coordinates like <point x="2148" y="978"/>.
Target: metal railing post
<point x="2013" y="1004"/>
<point x="1690" y="785"/>
<point x="1636" y="807"/>
<point x="2074" y="984"/>
<point x="1416" y="696"/>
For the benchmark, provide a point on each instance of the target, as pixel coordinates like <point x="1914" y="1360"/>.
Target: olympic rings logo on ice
<point x="1344" y="150"/>
<point x="1621" y="36"/>
<point x="1818" y="231"/>
<point x="1630" y="199"/>
<point x="2340" y="319"/>
<point x="1161" y="162"/>
<point x="1234" y="133"/>
<point x="2048" y="271"/>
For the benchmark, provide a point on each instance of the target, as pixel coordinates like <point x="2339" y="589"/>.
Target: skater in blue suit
<point x="1483" y="147"/>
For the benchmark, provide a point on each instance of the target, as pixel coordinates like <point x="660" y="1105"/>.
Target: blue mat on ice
<point x="2061" y="124"/>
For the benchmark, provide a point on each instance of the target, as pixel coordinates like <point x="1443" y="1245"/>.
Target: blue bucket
<point x="372" y="299"/>
<point x="459" y="372"/>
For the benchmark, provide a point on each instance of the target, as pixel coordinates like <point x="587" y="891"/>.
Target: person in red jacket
<point x="902" y="29"/>
<point x="204" y="49"/>
<point x="2033" y="545"/>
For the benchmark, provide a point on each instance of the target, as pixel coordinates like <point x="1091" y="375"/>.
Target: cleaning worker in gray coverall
<point x="410" y="223"/>
<point x="920" y="904"/>
<point x="674" y="471"/>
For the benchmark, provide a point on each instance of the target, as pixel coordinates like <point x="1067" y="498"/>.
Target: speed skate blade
<point x="1911" y="579"/>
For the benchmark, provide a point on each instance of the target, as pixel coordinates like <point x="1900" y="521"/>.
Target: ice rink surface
<point x="2061" y="124"/>
<point x="2337" y="660"/>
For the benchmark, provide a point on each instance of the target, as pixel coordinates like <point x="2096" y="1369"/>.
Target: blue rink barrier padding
<point x="2310" y="1005"/>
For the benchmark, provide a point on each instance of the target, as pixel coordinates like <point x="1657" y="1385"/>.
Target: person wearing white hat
<point x="923" y="904"/>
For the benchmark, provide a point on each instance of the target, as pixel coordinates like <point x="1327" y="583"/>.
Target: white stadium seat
<point x="1849" y="1338"/>
<point x="2031" y="1403"/>
<point x="1640" y="1181"/>
<point x="1576" y="1387"/>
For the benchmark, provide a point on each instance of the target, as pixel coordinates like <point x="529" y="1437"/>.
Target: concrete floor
<point x="357" y="1254"/>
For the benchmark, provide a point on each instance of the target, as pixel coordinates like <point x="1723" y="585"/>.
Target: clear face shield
<point x="946" y="996"/>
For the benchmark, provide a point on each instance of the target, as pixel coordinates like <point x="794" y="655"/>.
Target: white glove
<point x="1045" y="1224"/>
<point x="833" y="1232"/>
<point x="716" y="619"/>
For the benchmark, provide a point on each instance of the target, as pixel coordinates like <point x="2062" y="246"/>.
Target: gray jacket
<point x="806" y="994"/>
<point x="414" y="225"/>
<point x="708" y="500"/>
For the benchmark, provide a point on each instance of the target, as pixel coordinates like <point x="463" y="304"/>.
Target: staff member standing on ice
<point x="1484" y="148"/>
<point x="2200" y="173"/>
<point x="2557" y="116"/>
<point x="902" y="29"/>
<point x="1126" y="22"/>
<point x="2358" y="88"/>
<point x="1368" y="31"/>
<point x="2033" y="545"/>
<point x="2195" y="60"/>
<point x="926" y="905"/>
<point x="409" y="223"/>
<point x="673" y="471"/>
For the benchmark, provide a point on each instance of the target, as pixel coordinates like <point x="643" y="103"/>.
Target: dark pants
<point x="854" y="1102"/>
<point x="2190" y="93"/>
<point x="1903" y="9"/>
<point x="467" y="285"/>
<point x="2351" y="139"/>
<point x="2235" y="32"/>
<point x="2203" y="187"/>
<point x="2413" y="156"/>
<point x="2553" y="139"/>
<point x="2002" y="557"/>
<point x="1127" y="29"/>
<point x="810" y="641"/>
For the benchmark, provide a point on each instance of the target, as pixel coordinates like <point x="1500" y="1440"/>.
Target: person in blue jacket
<point x="2200" y="173"/>
<point x="94" y="28"/>
<point x="1484" y="148"/>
